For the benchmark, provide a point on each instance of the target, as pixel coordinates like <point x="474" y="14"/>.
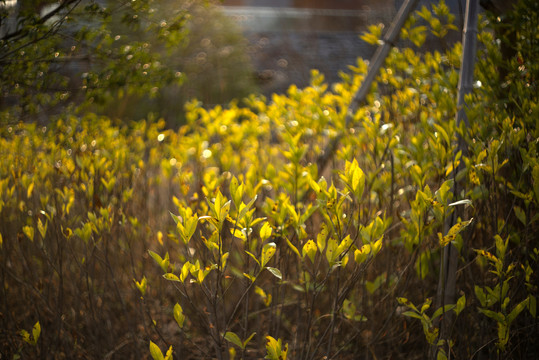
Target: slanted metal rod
<point x="378" y="59"/>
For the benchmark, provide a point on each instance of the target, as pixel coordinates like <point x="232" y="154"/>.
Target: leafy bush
<point x="263" y="254"/>
<point x="124" y="59"/>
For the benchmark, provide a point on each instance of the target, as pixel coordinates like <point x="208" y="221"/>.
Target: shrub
<point x="263" y="254"/>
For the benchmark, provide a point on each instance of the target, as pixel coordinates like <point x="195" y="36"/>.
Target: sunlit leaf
<point x="30" y="190"/>
<point x="178" y="315"/>
<point x="168" y="355"/>
<point x="250" y="277"/>
<point x="265" y="297"/>
<point x="290" y="245"/>
<point x="253" y="257"/>
<point x="267" y="253"/>
<point x="360" y="255"/>
<point x="171" y="277"/>
<point x="466" y="202"/>
<point x="29" y="232"/>
<point x="453" y="232"/>
<point x="142" y="285"/>
<point x="276" y="272"/>
<point x="275" y="350"/>
<point x="159" y="260"/>
<point x="265" y="231"/>
<point x="155" y="352"/>
<point x="310" y="250"/>
<point x="36" y="331"/>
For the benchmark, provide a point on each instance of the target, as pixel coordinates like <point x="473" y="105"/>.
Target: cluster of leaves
<point x="74" y="52"/>
<point x="261" y="252"/>
<point x="73" y="218"/>
<point x="121" y="58"/>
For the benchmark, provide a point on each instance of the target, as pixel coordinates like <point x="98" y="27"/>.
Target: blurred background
<point x="287" y="38"/>
<point x="230" y="49"/>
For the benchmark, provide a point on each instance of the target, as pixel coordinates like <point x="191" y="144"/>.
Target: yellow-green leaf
<point x="331" y="251"/>
<point x="168" y="355"/>
<point x="275" y="350"/>
<point x="26" y="336"/>
<point x="265" y="231"/>
<point x="29" y="232"/>
<point x="171" y="277"/>
<point x="267" y="253"/>
<point x="36" y="331"/>
<point x="42" y="228"/>
<point x="155" y="352"/>
<point x="224" y="259"/>
<point x="162" y="262"/>
<point x="344" y="245"/>
<point x="453" y="232"/>
<point x="234" y="339"/>
<point x="358" y="179"/>
<point x="360" y="255"/>
<point x="238" y="234"/>
<point x="309" y="249"/>
<point x="236" y="191"/>
<point x="253" y="257"/>
<point x="29" y="190"/>
<point x="321" y="238"/>
<point x="290" y="245"/>
<point x="517" y="310"/>
<point x="142" y="285"/>
<point x="532" y="306"/>
<point x="265" y="297"/>
<point x="250" y="277"/>
<point x="377" y="246"/>
<point x="248" y="339"/>
<point x="178" y="315"/>
<point x="520" y="214"/>
<point x="186" y="268"/>
<point x="461" y="304"/>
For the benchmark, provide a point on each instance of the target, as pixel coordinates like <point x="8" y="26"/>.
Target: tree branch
<point x="24" y="31"/>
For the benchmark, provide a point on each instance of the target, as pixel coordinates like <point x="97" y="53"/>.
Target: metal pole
<point x="446" y="293"/>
